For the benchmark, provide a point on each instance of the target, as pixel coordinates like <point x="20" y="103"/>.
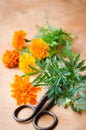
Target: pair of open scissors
<point x="38" y="111"/>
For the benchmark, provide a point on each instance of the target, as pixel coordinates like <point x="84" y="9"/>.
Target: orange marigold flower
<point x="11" y="58"/>
<point x="19" y="39"/>
<point x="23" y="90"/>
<point x="26" y="61"/>
<point x="39" y="48"/>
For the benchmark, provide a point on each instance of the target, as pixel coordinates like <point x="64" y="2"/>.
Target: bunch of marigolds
<point x="22" y="89"/>
<point x="30" y="55"/>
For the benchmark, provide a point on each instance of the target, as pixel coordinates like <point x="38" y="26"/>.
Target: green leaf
<point x="32" y="73"/>
<point x="83" y="68"/>
<point x="37" y="78"/>
<point x="77" y="90"/>
<point x="25" y="50"/>
<point x="81" y="100"/>
<point x="80" y="64"/>
<point x="77" y="58"/>
<point x="82" y="94"/>
<point x="82" y="107"/>
<point x="50" y="93"/>
<point x="67" y="64"/>
<point x="69" y="54"/>
<point x="34" y="68"/>
<point x="76" y="109"/>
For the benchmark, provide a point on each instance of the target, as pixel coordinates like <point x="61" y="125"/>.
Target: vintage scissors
<point x="38" y="111"/>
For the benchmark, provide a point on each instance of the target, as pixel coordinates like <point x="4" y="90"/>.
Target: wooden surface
<point x="25" y="14"/>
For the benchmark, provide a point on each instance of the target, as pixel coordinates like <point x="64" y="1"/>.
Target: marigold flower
<point x="26" y="61"/>
<point x="11" y="58"/>
<point x="23" y="90"/>
<point x="39" y="48"/>
<point x="19" y="39"/>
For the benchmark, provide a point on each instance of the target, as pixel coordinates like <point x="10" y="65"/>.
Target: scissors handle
<point x="38" y="116"/>
<point x="35" y="109"/>
<point x="45" y="111"/>
<point x="18" y="109"/>
<point x="38" y="111"/>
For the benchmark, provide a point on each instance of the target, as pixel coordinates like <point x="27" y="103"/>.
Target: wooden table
<point x="25" y="14"/>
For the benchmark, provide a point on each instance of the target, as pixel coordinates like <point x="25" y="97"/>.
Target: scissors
<point x="38" y="111"/>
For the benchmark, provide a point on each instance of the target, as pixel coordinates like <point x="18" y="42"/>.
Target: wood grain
<point x="25" y="14"/>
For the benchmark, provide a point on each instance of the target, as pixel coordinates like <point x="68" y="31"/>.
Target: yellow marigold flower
<point x="26" y="61"/>
<point x="19" y="39"/>
<point x="23" y="90"/>
<point x="11" y="58"/>
<point x="39" y="48"/>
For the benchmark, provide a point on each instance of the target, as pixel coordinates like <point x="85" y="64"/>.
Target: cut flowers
<point x="47" y="56"/>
